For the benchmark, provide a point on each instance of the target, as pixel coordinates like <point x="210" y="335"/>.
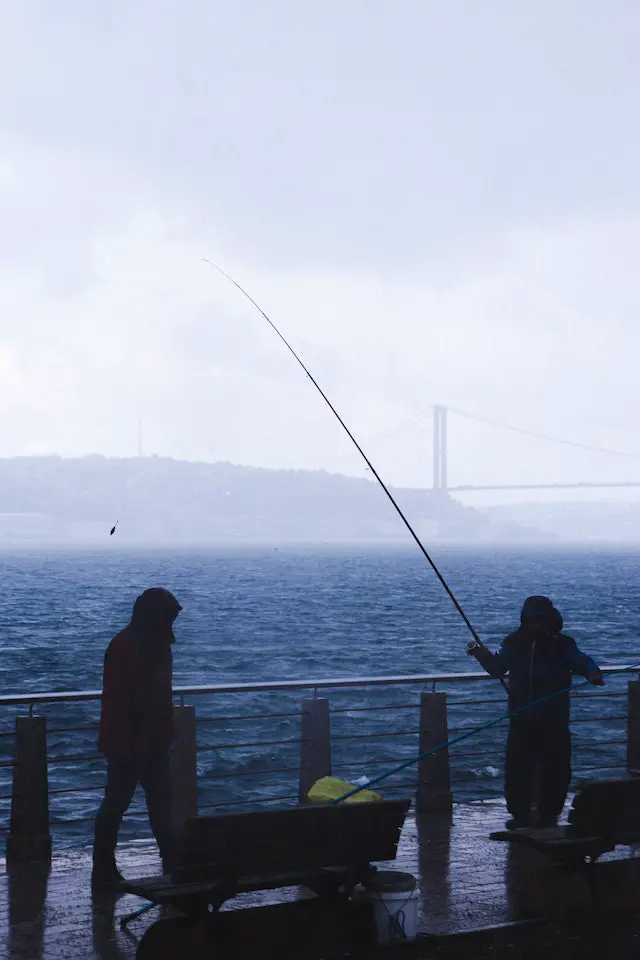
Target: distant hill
<point x="604" y="522"/>
<point x="159" y="500"/>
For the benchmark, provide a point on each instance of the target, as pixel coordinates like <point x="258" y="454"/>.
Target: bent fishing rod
<point x="476" y="639"/>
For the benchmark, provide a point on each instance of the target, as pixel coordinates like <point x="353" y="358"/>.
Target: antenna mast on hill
<point x="140" y="436"/>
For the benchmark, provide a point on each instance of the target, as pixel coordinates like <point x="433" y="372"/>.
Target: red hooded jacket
<point x="136" y="717"/>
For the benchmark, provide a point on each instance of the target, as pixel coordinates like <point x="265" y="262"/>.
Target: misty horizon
<point x="155" y="500"/>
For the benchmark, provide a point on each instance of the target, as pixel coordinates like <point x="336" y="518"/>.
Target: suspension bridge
<point x="440" y="455"/>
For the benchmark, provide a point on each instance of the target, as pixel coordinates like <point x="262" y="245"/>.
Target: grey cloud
<point x="318" y="133"/>
<point x="437" y="202"/>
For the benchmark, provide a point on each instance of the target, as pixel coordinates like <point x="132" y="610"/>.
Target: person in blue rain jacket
<point x="538" y="660"/>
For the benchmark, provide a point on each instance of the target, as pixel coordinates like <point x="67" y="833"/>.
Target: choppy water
<point x="267" y="614"/>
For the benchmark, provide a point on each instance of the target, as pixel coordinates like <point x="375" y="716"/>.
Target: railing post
<point x="29" y="836"/>
<point x="315" y="743"/>
<point x="434" y="781"/>
<point x="633" y="725"/>
<point x="184" y="768"/>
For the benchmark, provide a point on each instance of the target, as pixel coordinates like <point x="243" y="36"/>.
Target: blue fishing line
<point x="469" y="733"/>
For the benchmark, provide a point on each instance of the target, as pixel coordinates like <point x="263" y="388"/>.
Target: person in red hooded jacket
<point x="136" y="729"/>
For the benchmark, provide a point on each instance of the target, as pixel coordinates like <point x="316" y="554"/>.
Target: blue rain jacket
<point x="535" y="669"/>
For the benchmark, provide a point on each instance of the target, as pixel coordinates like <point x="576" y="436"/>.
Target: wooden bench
<point x="328" y="849"/>
<point x="604" y="814"/>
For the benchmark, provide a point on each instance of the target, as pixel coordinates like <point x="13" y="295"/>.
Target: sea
<point x="306" y="613"/>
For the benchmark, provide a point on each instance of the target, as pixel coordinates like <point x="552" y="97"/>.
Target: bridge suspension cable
<point x="544" y="436"/>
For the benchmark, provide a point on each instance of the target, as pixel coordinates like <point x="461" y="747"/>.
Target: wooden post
<point x="29" y="836"/>
<point x="26" y="885"/>
<point x="315" y="744"/>
<point x="633" y="725"/>
<point x="184" y="769"/>
<point x="434" y="782"/>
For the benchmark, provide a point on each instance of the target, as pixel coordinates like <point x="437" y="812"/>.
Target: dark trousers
<point x="538" y="767"/>
<point x="123" y="776"/>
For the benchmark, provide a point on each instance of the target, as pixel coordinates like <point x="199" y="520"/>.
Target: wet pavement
<point x="467" y="882"/>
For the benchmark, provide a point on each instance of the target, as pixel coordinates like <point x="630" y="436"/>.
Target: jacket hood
<point x="154" y="614"/>
<point x="543" y="609"/>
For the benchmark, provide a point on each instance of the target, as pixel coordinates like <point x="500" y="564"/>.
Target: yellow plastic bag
<point x="330" y="788"/>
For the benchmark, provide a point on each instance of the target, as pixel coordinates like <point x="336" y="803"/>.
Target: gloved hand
<point x="472" y="649"/>
<point x="596" y="678"/>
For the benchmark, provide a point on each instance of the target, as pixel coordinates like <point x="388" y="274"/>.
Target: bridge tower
<point x="440" y="448"/>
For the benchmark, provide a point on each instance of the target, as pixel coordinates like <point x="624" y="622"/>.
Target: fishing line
<point x="470" y="733"/>
<point x="364" y="456"/>
<point x="427" y="753"/>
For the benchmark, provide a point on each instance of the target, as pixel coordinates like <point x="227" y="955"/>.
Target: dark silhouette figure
<point x="136" y="729"/>
<point x="539" y="660"/>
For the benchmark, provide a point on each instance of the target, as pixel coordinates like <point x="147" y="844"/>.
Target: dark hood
<point x="542" y="609"/>
<point x="154" y="614"/>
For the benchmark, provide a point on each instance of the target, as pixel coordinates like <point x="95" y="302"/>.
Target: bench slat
<point x="608" y="808"/>
<point x="161" y="889"/>
<point x="295" y="839"/>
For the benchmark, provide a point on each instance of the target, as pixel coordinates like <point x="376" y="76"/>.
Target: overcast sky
<point x="438" y="202"/>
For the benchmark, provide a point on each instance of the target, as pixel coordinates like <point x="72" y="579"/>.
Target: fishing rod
<point x="465" y="736"/>
<point x="476" y="639"/>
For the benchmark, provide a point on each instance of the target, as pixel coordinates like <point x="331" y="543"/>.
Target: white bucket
<point x="395" y="903"/>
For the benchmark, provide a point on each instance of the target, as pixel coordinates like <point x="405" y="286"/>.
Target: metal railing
<point x="248" y="753"/>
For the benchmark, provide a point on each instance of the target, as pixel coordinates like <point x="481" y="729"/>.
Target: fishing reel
<point x="473" y="647"/>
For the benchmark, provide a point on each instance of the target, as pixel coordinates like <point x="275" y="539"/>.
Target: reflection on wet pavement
<point x="467" y="882"/>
